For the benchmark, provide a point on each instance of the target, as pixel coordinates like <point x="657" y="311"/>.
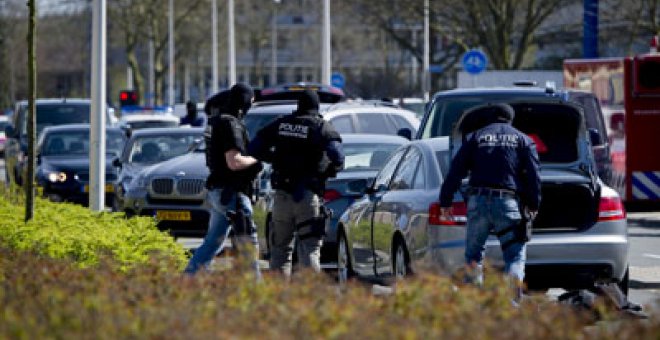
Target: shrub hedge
<point x="63" y="230"/>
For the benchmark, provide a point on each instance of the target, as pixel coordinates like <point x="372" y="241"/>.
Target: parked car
<point x="579" y="236"/>
<point x="173" y="192"/>
<point x="4" y="122"/>
<point x="63" y="162"/>
<point x="49" y="112"/>
<point x="132" y="122"/>
<point x="364" y="154"/>
<point x="447" y="106"/>
<point x="147" y="147"/>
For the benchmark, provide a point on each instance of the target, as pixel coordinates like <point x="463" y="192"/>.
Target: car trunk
<point x="570" y="193"/>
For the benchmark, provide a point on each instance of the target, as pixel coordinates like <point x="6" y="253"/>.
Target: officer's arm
<point x="261" y="146"/>
<point x="335" y="152"/>
<point x="532" y="180"/>
<point x="457" y="171"/>
<point x="236" y="161"/>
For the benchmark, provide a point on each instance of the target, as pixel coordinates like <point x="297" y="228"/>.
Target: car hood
<point x="71" y="163"/>
<point x="192" y="164"/>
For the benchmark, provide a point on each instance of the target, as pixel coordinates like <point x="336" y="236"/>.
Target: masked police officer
<point x="304" y="151"/>
<point x="192" y="118"/>
<point x="230" y="180"/>
<point x="502" y="163"/>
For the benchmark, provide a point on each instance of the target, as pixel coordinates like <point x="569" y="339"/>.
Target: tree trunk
<point x="32" y="94"/>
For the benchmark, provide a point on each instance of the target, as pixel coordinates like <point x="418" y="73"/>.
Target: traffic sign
<point x="474" y="61"/>
<point x="337" y="80"/>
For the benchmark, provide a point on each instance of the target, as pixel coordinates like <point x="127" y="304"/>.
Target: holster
<point x="315" y="226"/>
<point x="524" y="231"/>
<point x="240" y="222"/>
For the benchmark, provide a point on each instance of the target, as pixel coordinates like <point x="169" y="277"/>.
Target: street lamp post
<point x="326" y="67"/>
<point x="97" y="116"/>
<point x="170" y="87"/>
<point x="426" y="79"/>
<point x="231" y="42"/>
<point x="214" y="47"/>
<point x="273" y="45"/>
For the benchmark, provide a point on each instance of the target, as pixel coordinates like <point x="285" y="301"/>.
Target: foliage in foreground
<point x="46" y="298"/>
<point x="63" y="230"/>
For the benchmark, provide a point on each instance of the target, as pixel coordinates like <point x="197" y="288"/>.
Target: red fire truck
<point x="629" y="91"/>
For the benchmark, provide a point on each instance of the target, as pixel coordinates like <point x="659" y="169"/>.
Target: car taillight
<point x="331" y="195"/>
<point x="458" y="208"/>
<point x="611" y="209"/>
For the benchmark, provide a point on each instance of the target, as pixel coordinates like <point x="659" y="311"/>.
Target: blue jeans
<point x="494" y="214"/>
<point x="219" y="229"/>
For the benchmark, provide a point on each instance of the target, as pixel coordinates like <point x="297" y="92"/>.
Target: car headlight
<point x="56" y="177"/>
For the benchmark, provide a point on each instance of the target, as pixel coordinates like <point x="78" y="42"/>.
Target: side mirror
<point x="10" y="131"/>
<point x="116" y="163"/>
<point x="595" y="137"/>
<point x="405" y="133"/>
<point x="358" y="186"/>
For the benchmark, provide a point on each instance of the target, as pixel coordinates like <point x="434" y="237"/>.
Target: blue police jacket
<point x="497" y="156"/>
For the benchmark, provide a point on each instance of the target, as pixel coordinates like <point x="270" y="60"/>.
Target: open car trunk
<point x="570" y="191"/>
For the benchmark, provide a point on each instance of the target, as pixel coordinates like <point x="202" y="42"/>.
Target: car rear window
<point x="374" y="123"/>
<point x="58" y="114"/>
<point x="446" y="111"/>
<point x="256" y="122"/>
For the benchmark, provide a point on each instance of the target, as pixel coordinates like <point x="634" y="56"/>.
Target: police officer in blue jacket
<point x="503" y="168"/>
<point x="304" y="150"/>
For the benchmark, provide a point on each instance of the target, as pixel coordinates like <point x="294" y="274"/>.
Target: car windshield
<point x="59" y="114"/>
<point x="366" y="156"/>
<point x="76" y="142"/>
<point x="255" y="122"/>
<point x="154" y="149"/>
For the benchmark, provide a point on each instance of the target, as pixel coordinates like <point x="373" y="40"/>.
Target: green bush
<point x="62" y="230"/>
<point x="45" y="298"/>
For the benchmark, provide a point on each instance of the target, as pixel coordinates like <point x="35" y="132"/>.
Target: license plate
<point x="108" y="188"/>
<point x="169" y="215"/>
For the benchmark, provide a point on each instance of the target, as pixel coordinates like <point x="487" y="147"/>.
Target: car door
<point x="393" y="211"/>
<point x="362" y="217"/>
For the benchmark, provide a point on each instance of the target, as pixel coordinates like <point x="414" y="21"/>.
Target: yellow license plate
<point x="108" y="188"/>
<point x="168" y="215"/>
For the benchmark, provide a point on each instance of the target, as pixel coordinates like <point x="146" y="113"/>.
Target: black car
<point x="49" y="112"/>
<point x="63" y="162"/>
<point x="447" y="106"/>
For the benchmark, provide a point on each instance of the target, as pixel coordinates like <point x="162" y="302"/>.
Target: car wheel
<point x="624" y="283"/>
<point x="400" y="265"/>
<point x="344" y="269"/>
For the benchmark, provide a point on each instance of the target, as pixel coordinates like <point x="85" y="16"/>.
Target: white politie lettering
<point x="293" y="130"/>
<point x="498" y="140"/>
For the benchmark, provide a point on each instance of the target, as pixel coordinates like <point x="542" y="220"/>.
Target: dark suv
<point x="446" y="107"/>
<point x="50" y="112"/>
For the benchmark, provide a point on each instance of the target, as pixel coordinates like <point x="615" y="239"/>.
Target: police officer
<point x="230" y="178"/>
<point x="502" y="163"/>
<point x="304" y="151"/>
<point x="191" y="118"/>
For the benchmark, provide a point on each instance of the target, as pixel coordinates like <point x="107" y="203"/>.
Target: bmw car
<point x="63" y="162"/>
<point x="147" y="147"/>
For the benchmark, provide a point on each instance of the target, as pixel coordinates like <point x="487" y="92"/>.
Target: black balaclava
<point x="240" y="99"/>
<point x="191" y="109"/>
<point x="308" y="103"/>
<point x="504" y="112"/>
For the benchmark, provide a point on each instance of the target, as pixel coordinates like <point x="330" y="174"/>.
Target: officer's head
<point x="308" y="103"/>
<point x="240" y="99"/>
<point x="503" y="112"/>
<point x="217" y="103"/>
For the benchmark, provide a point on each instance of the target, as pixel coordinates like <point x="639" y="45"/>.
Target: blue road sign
<point x="474" y="61"/>
<point x="337" y="80"/>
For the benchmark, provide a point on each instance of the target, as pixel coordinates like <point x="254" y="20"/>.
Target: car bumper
<point x="570" y="260"/>
<point x="74" y="193"/>
<point x="180" y="219"/>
